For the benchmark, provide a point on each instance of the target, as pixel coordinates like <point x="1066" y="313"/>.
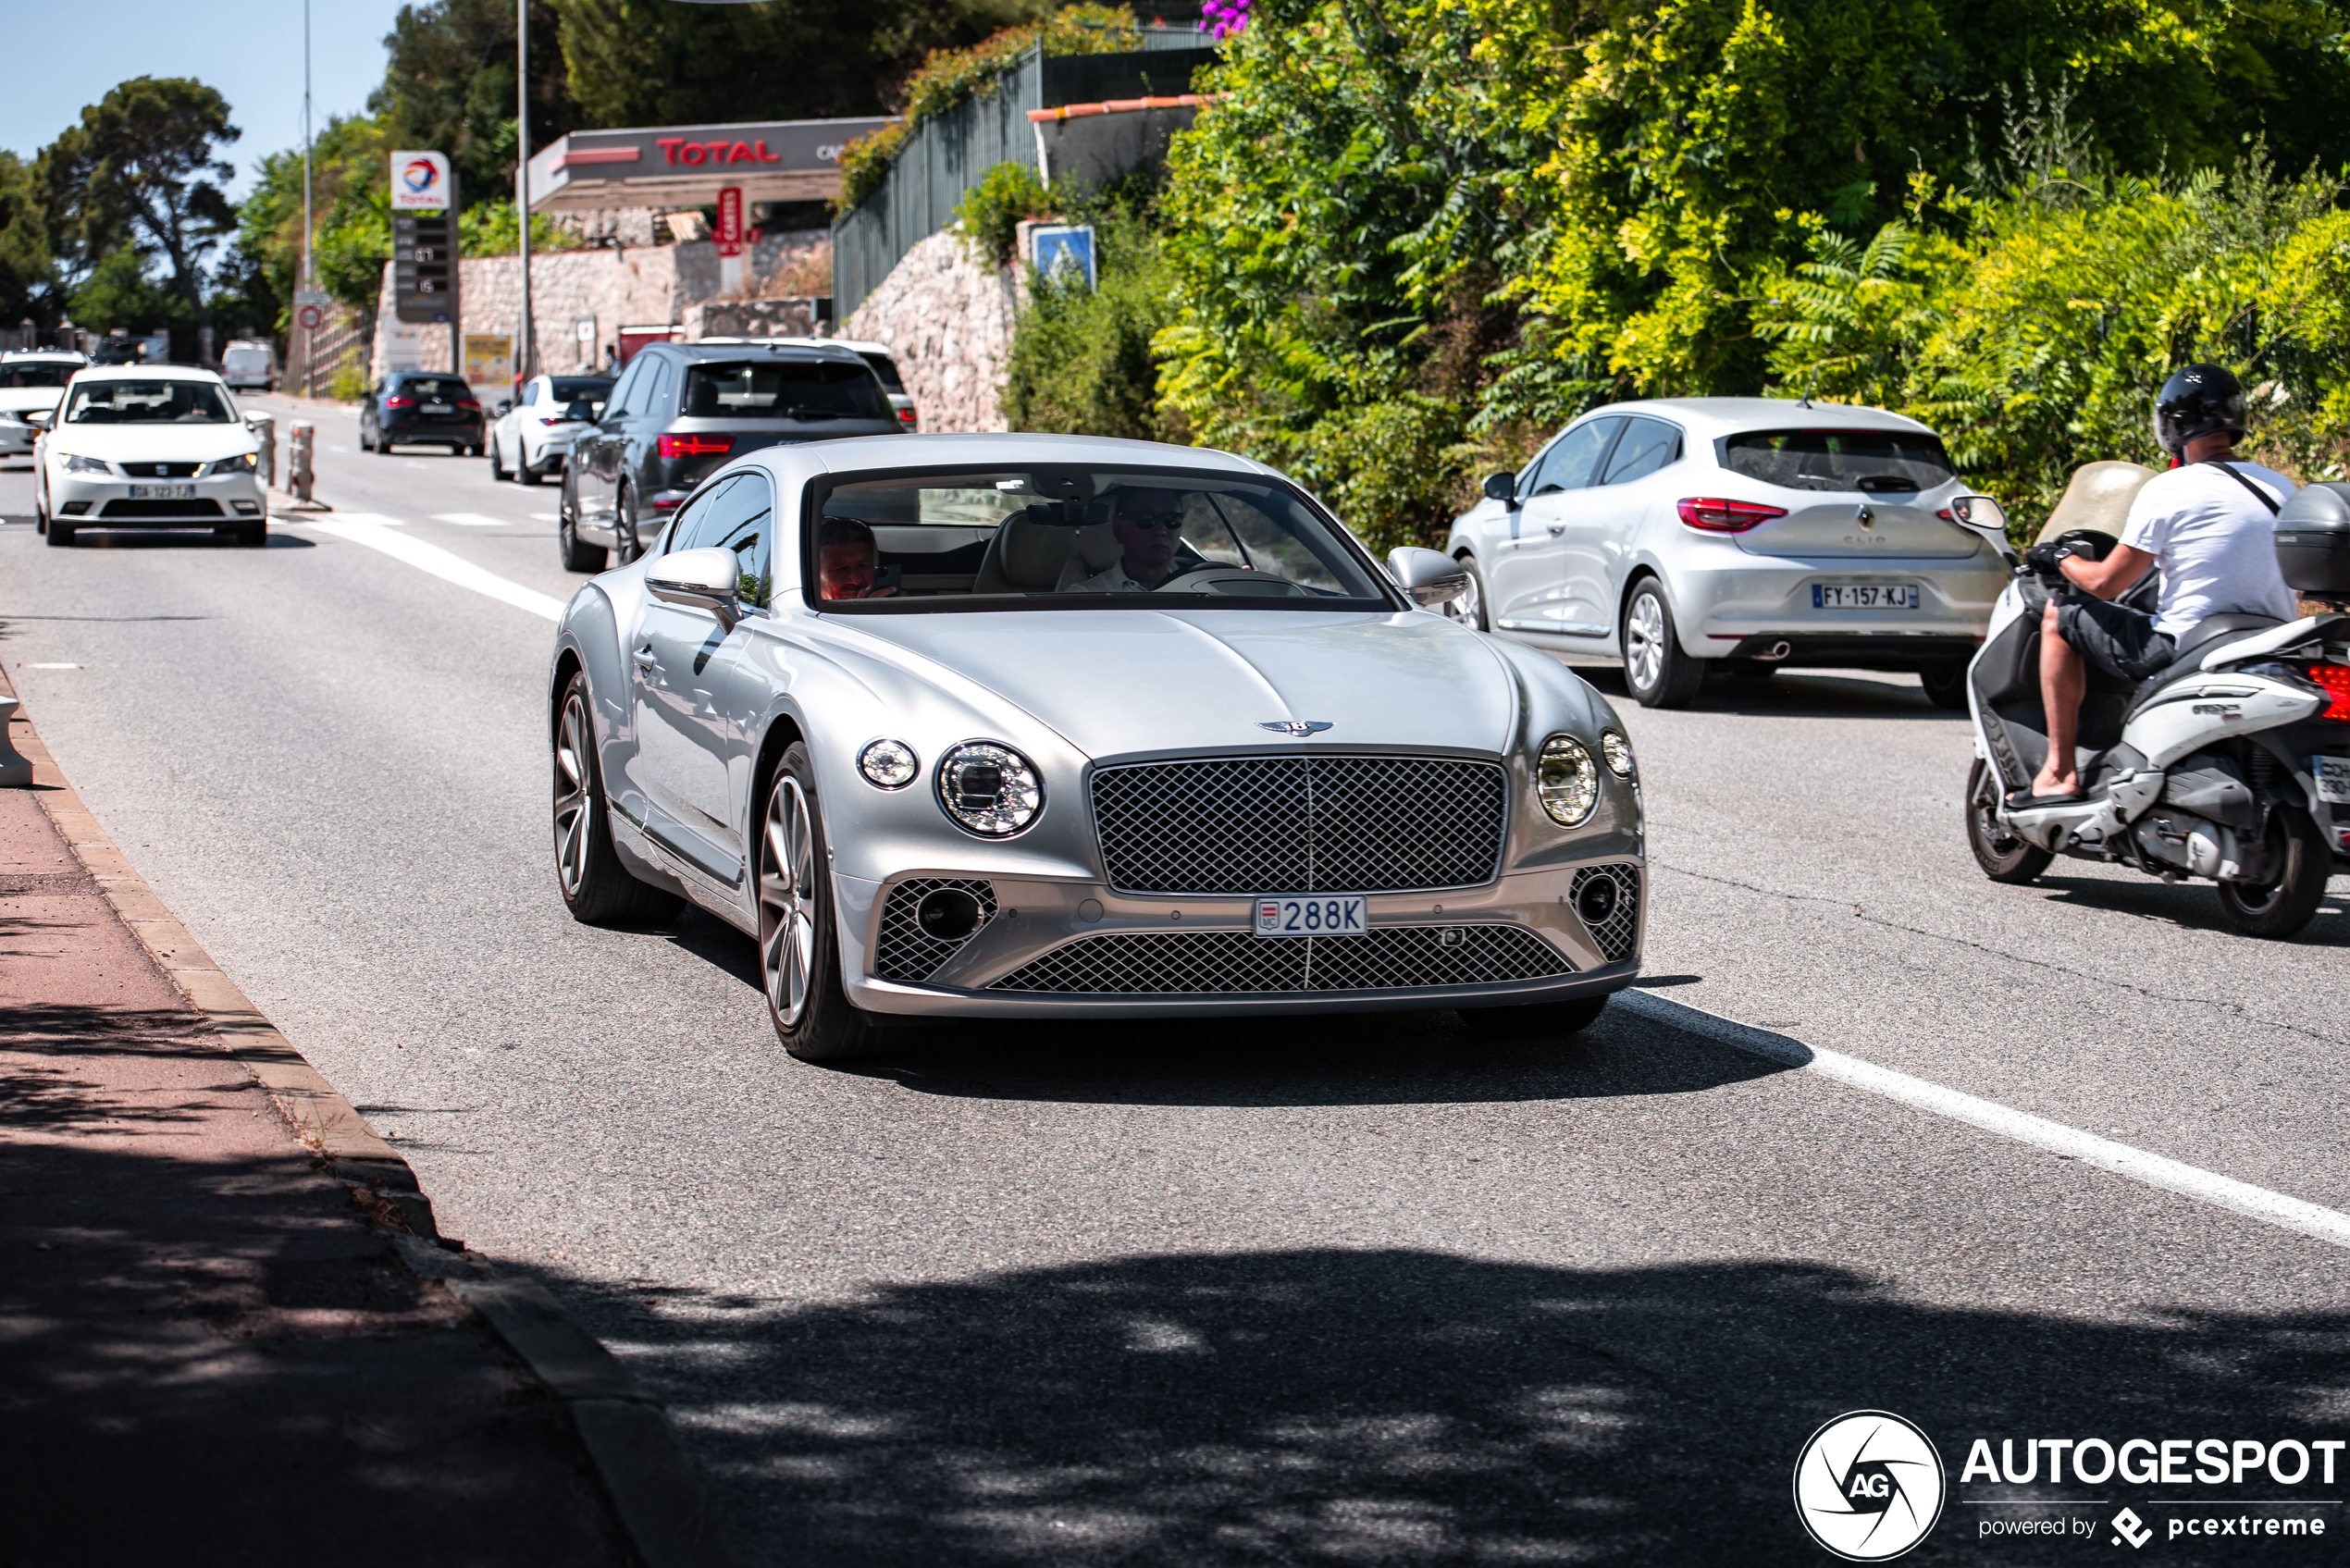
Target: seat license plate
<point x="1279" y="914"/>
<point x="2332" y="774"/>
<point x="1864" y="595"/>
<point x="162" y="492"/>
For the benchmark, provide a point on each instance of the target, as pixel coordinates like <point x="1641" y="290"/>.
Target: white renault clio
<point x="148" y="446"/>
<point x="1741" y="534"/>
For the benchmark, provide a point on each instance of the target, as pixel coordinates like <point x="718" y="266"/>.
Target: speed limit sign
<point x="310" y="317"/>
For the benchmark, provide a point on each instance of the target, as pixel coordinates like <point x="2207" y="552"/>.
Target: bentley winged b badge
<point x="1298" y="727"/>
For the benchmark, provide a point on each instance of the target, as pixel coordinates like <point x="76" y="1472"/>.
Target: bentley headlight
<point x="1568" y="781"/>
<point x="989" y="789"/>
<point x="86" y="465"/>
<point x="888" y="764"/>
<point x="1618" y="752"/>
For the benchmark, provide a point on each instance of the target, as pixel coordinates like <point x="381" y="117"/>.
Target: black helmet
<point x="2199" y="401"/>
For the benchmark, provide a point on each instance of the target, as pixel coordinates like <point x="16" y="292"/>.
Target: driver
<point x="1149" y="528"/>
<point x="847" y="561"/>
<point x="2208" y="523"/>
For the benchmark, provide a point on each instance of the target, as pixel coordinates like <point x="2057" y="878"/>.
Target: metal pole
<point x="309" y="338"/>
<point x="524" y="339"/>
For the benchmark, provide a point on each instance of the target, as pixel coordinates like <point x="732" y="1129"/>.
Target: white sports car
<point x="1026" y="725"/>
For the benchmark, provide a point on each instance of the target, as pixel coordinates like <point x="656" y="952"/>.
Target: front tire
<point x="596" y="887"/>
<point x="1469" y="609"/>
<point x="1543" y="1019"/>
<point x="1655" y="670"/>
<point x="578" y="555"/>
<point x="2003" y="855"/>
<point x="2281" y="908"/>
<point x="798" y="937"/>
<point x="626" y="546"/>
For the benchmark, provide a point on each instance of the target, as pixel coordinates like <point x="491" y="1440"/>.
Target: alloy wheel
<point x="1644" y="641"/>
<point x="573" y="739"/>
<point x="788" y="902"/>
<point x="1468" y="610"/>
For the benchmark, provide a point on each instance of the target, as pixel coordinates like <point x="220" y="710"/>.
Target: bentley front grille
<point x="904" y="951"/>
<point x="1615" y="932"/>
<point x="1301" y="824"/>
<point x="1192" y="963"/>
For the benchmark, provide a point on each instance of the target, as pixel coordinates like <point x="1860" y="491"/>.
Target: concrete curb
<point x="653" y="1484"/>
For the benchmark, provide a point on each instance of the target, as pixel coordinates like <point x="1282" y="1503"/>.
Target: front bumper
<point x="93" y="500"/>
<point x="1036" y="917"/>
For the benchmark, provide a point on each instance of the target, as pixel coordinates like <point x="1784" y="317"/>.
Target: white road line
<point x="471" y="520"/>
<point x="377" y="518"/>
<point x="2154" y="1171"/>
<point x="362" y="529"/>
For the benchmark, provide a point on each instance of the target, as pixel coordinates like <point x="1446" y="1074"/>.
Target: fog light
<point x="74" y="509"/>
<point x="247" y="508"/>
<point x="1597" y="900"/>
<point x="948" y="915"/>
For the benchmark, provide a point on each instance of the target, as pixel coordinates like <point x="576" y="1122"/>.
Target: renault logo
<point x="1866" y="518"/>
<point x="1299" y="727"/>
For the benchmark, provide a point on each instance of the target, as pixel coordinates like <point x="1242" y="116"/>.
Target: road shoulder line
<point x="653" y="1484"/>
<point x="2267" y="1206"/>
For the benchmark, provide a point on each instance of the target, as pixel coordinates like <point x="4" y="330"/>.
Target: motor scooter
<point x="2232" y="763"/>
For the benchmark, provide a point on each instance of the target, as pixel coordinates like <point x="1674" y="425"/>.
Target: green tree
<point x="348" y="171"/>
<point x="449" y="86"/>
<point x="26" y="274"/>
<point x="1081" y="358"/>
<point x="142" y="170"/>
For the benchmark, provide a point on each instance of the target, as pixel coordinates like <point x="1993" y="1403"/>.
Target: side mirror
<point x="40" y="418"/>
<point x="1501" y="488"/>
<point x="1986" y="517"/>
<point x="699" y="579"/>
<point x="1428" y="577"/>
<point x="505" y="406"/>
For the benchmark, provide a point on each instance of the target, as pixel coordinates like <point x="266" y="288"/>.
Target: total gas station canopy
<point x="685" y="166"/>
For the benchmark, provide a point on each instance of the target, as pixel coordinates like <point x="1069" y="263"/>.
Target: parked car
<point x="904" y="713"/>
<point x="32" y="381"/>
<point x="1743" y="535"/>
<point x="420" y="408"/>
<point x="248" y="365"/>
<point x="530" y="441"/>
<point x="680" y="410"/>
<point x="147" y="447"/>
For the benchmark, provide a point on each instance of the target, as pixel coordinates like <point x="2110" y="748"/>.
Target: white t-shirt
<point x="2215" y="543"/>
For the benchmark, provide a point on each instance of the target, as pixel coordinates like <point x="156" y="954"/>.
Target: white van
<point x="246" y="366"/>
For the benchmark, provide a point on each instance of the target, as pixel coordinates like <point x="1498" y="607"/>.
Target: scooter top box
<point x="2313" y="540"/>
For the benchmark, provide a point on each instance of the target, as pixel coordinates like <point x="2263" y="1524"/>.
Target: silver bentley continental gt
<point x="1018" y="726"/>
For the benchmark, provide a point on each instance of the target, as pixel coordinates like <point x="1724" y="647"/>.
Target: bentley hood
<point x="1125" y="682"/>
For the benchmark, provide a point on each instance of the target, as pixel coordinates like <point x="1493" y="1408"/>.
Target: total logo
<point x="1869" y="1486"/>
<point x="419" y="175"/>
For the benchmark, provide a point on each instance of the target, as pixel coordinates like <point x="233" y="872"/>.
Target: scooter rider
<point x="2208" y="523"/>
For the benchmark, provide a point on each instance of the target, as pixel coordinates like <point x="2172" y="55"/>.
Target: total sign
<point x="420" y="182"/>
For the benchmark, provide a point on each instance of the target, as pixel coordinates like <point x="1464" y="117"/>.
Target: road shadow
<point x="1793" y="694"/>
<point x="1394" y="1406"/>
<point x="96" y="538"/>
<point x="2190" y="906"/>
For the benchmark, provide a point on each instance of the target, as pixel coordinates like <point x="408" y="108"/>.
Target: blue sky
<point x="64" y="56"/>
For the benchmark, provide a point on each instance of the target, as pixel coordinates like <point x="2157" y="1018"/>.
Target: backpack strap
<point x="2257" y="493"/>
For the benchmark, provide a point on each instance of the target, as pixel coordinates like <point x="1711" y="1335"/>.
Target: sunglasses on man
<point x="1170" y="520"/>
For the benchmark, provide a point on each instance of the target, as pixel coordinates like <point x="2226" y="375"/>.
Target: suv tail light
<point x="1715" y="516"/>
<point x="399" y="403"/>
<point x="469" y="402"/>
<point x="906" y="417"/>
<point x="2334" y="679"/>
<point x="696" y="446"/>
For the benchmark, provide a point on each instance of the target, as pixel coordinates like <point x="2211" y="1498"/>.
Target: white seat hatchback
<point x="1689" y="535"/>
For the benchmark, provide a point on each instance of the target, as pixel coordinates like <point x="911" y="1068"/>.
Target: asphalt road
<point x="1355" y="1291"/>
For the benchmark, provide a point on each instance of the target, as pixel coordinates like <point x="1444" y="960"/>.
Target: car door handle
<point x="646" y="657"/>
<point x="1557" y="528"/>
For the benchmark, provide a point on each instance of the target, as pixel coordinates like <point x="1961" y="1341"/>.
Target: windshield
<point x="1078" y="540"/>
<point x="148" y="402"/>
<point x="783" y="390"/>
<point x="579" y="390"/>
<point x="245" y="359"/>
<point x="1838" y="459"/>
<point x="36" y="374"/>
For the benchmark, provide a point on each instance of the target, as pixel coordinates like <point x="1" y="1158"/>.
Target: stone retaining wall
<point x="949" y="325"/>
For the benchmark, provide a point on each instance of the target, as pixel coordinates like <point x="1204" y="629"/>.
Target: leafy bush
<point x="488" y="229"/>
<point x="948" y="77"/>
<point x="991" y="211"/>
<point x="1081" y="359"/>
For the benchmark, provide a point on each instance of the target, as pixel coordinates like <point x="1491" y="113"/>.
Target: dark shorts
<point x="2116" y="638"/>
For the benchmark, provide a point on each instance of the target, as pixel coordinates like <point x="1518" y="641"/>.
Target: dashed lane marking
<point x="384" y="534"/>
<point x="473" y="520"/>
<point x="2121" y="1159"/>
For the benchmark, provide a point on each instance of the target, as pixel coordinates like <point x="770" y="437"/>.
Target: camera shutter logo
<point x="1869" y="1486"/>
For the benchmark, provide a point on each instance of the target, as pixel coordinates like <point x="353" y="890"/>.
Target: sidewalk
<point x="208" y="1353"/>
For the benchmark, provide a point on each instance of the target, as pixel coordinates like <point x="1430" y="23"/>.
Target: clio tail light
<point x="696" y="446"/>
<point x="1716" y="516"/>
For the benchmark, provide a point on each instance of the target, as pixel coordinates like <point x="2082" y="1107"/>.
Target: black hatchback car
<point x="680" y="410"/>
<point x="421" y="408"/>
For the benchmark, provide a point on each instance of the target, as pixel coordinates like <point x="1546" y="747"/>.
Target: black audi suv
<point x="681" y="409"/>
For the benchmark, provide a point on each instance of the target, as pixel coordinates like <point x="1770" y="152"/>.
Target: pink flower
<point x="1223" y="19"/>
